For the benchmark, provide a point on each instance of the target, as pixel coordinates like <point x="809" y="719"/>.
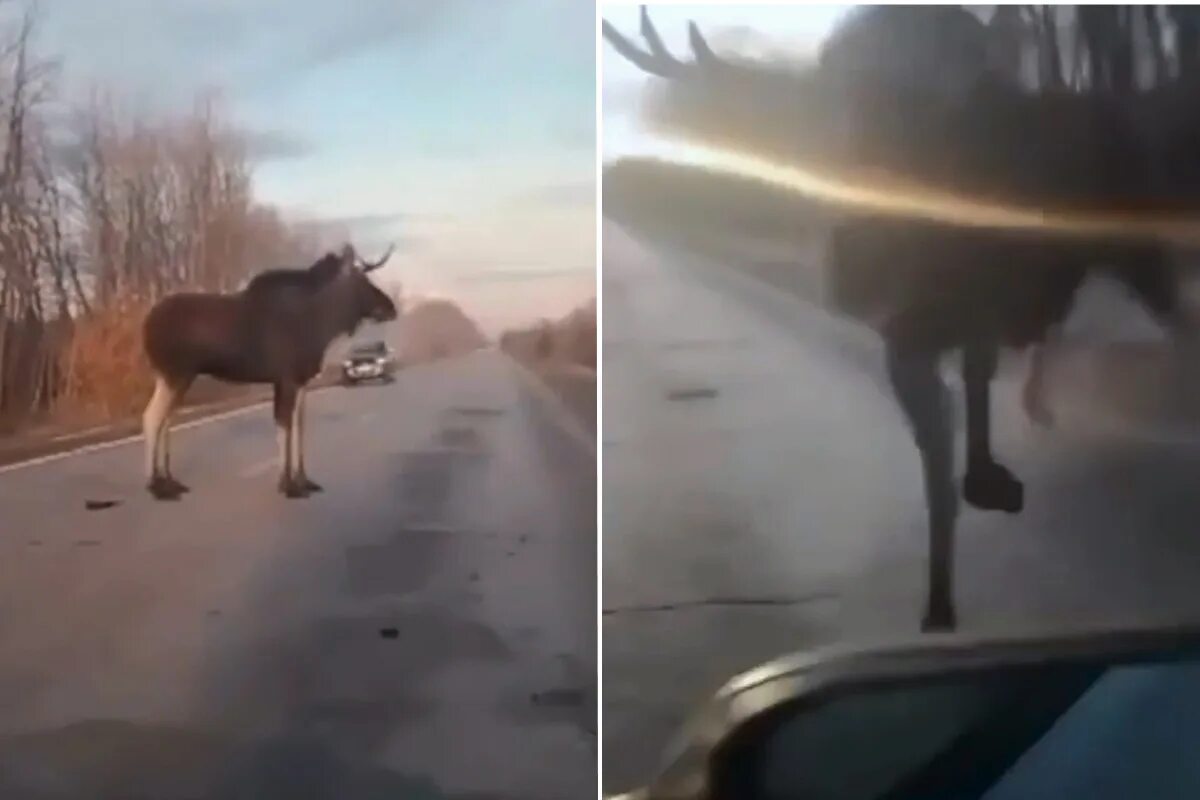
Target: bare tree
<point x="32" y="275"/>
<point x="98" y="220"/>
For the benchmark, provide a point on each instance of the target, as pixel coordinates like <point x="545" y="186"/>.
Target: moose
<point x="930" y="287"/>
<point x="275" y="330"/>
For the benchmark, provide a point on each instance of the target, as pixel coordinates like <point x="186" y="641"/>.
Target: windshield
<point x="1074" y="731"/>
<point x="374" y="349"/>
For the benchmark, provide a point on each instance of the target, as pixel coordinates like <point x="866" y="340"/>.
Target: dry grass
<point x="105" y="374"/>
<point x="577" y="389"/>
<point x="106" y="377"/>
<point x="568" y="341"/>
<point x="563" y="355"/>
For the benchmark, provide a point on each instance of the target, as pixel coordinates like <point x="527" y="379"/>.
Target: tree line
<point x="1043" y="47"/>
<point x="101" y="212"/>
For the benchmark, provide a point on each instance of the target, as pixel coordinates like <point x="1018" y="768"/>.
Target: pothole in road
<point x="398" y="567"/>
<point x="425" y="481"/>
<point x="560" y="704"/>
<point x="430" y="478"/>
<point x="559" y="698"/>
<point x="559" y="692"/>
<point x="462" y="436"/>
<point x="344" y="678"/>
<point x="728" y="343"/>
<point x="360" y="724"/>
<point x="477" y="410"/>
<point x="691" y="393"/>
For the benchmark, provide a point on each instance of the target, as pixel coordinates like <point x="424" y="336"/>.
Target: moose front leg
<point x="987" y="485"/>
<point x="285" y="422"/>
<point x="298" y="438"/>
<point x="925" y="401"/>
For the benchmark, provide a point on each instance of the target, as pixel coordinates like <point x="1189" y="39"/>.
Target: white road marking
<point x="137" y="437"/>
<point x="80" y="434"/>
<point x="93" y="448"/>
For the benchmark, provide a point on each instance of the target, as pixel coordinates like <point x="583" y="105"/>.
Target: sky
<point x="461" y="129"/>
<point x="747" y="29"/>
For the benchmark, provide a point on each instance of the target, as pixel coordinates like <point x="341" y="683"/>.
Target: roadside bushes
<point x="104" y="373"/>
<point x="570" y="340"/>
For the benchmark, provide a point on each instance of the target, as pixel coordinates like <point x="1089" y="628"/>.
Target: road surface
<point x="425" y="628"/>
<point x="761" y="495"/>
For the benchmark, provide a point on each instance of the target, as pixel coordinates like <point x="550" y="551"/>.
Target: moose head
<point x="992" y="143"/>
<point x="343" y="280"/>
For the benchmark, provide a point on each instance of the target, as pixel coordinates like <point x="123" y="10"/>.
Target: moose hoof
<point x="993" y="488"/>
<point x="163" y="488"/>
<point x="1039" y="414"/>
<point x="939" y="618"/>
<point x="309" y="484"/>
<point x="178" y="487"/>
<point x="292" y="489"/>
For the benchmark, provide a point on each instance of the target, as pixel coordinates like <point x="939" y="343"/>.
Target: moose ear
<point x="348" y="258"/>
<point x="327" y="269"/>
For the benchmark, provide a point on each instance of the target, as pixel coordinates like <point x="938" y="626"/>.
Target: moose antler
<point x="656" y="59"/>
<point x="367" y="266"/>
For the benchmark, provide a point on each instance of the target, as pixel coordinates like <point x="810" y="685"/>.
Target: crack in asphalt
<point x="717" y="602"/>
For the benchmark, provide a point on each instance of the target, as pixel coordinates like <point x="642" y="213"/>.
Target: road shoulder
<point x="569" y="394"/>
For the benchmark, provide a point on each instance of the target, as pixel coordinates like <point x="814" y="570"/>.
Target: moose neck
<point x="334" y="313"/>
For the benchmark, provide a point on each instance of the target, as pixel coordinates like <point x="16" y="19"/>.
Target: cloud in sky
<point x="426" y="117"/>
<point x="265" y="145"/>
<point x="166" y="51"/>
<point x="575" y="193"/>
<point x="518" y="275"/>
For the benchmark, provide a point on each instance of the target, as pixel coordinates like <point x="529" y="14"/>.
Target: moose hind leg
<point x="1033" y="393"/>
<point x="285" y="417"/>
<point x="925" y="401"/>
<point x="987" y="484"/>
<point x="154" y="420"/>
<point x="298" y="443"/>
<point x="164" y="460"/>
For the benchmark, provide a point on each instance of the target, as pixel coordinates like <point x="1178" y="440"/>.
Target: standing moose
<point x="929" y="287"/>
<point x="275" y="330"/>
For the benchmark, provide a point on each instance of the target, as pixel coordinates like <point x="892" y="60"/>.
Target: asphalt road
<point x="761" y="495"/>
<point x="425" y="628"/>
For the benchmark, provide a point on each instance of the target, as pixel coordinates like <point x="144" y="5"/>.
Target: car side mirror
<point x="947" y="717"/>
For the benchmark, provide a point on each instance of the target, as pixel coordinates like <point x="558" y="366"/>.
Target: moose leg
<point x="1161" y="289"/>
<point x="1033" y="393"/>
<point x="164" y="440"/>
<point x="301" y="476"/>
<point x="285" y="418"/>
<point x="154" y="422"/>
<point x="988" y="485"/>
<point x="925" y="401"/>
